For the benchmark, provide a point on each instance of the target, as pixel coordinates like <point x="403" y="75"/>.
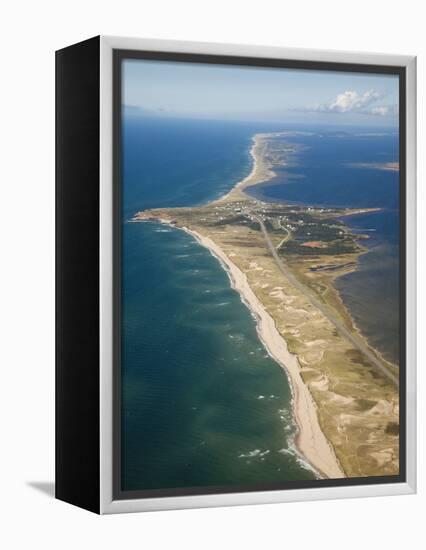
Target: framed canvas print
<point x="235" y="275"/>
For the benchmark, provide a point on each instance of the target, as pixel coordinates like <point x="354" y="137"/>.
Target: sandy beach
<point x="310" y="440"/>
<point x="346" y="414"/>
<point x="259" y="172"/>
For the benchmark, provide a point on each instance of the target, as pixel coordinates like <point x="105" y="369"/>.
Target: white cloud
<point x="381" y="110"/>
<point x="351" y="101"/>
<point x="384" y="110"/>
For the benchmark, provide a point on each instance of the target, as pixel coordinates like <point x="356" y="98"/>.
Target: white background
<point x="30" y="31"/>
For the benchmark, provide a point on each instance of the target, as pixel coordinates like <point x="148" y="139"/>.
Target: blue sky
<point x="192" y="90"/>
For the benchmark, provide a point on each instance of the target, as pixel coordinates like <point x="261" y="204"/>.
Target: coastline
<point x="261" y="173"/>
<point x="258" y="173"/>
<point x="357" y="328"/>
<point x="310" y="440"/>
<point x="313" y="441"/>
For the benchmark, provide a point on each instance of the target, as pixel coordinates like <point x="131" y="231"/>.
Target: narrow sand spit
<point x="258" y="173"/>
<point x="310" y="441"/>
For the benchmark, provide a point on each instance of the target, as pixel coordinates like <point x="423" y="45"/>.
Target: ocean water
<point x="324" y="173"/>
<point x="202" y="402"/>
<point x="181" y="163"/>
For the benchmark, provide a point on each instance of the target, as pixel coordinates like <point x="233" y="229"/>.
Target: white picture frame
<point x="108" y="504"/>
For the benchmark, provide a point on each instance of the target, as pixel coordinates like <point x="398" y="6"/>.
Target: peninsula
<point x="283" y="259"/>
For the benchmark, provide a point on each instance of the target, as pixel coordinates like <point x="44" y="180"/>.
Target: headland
<point x="283" y="259"/>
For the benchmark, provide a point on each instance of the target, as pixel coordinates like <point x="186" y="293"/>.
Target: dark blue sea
<point x="327" y="172"/>
<point x="202" y="402"/>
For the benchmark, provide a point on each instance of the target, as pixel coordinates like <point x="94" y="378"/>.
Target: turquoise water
<point x="202" y="402"/>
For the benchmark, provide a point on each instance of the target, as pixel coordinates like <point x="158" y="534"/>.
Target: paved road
<point x="340" y="327"/>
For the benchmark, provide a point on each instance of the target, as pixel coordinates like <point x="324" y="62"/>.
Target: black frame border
<point x="77" y="337"/>
<point x="118" y="56"/>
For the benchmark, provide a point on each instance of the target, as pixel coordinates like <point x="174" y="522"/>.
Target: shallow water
<point x="325" y="174"/>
